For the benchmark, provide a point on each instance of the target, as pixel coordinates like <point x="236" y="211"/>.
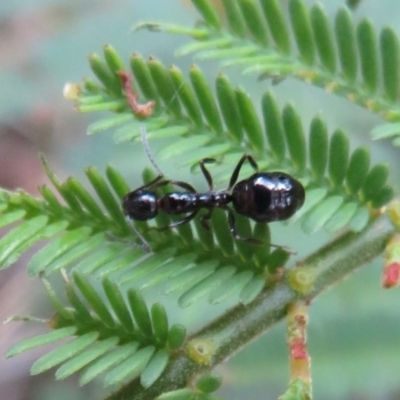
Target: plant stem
<point x="240" y="325"/>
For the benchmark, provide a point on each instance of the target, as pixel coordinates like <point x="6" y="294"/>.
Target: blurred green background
<point x="354" y="332"/>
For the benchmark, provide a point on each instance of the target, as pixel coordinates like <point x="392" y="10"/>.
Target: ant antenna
<point x="144" y="245"/>
<point x="146" y="146"/>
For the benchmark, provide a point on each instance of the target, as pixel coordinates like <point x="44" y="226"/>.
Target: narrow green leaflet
<point x="56" y="248"/>
<point x="130" y="367"/>
<point x="205" y="286"/>
<point x="85" y="357"/>
<point x="154" y="368"/>
<point x="108" y="123"/>
<point x="75" y="253"/>
<point x="252" y="289"/>
<point x="232" y="286"/>
<point x="40" y="340"/>
<point x="316" y="219"/>
<point x="109" y="360"/>
<point x="11" y="216"/>
<point x="63" y="353"/>
<point x="16" y="237"/>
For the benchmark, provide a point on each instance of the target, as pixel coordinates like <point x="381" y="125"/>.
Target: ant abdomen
<point x="268" y="196"/>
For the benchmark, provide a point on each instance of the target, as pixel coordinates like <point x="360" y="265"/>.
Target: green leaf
<point x="360" y="219"/>
<point x="186" y="95"/>
<point x="209" y="383"/>
<point x="233" y="286"/>
<point x="302" y="30"/>
<point x="208" y="12"/>
<point x="338" y="157"/>
<point x="252" y="289"/>
<point x="346" y="39"/>
<point x="40" y="340"/>
<point x="56" y="248"/>
<point x="86" y="199"/>
<point x="63" y="353"/>
<point x="110" y="253"/>
<point x="375" y="180"/>
<point x="141" y="72"/>
<point x="16" y="238"/>
<point x="220" y="42"/>
<point x="74" y="253"/>
<point x="104" y="74"/>
<point x="358" y="169"/>
<point x="318" y="147"/>
<point x="8" y="218"/>
<point x="118" y="355"/>
<point x="170" y="131"/>
<point x="180" y="394"/>
<point x="66" y="314"/>
<point x="190" y="276"/>
<point x="113" y="59"/>
<point x="273" y="125"/>
<point x="176" y="336"/>
<point x="389" y="46"/>
<point x="140" y="312"/>
<point x="367" y="44"/>
<point x="183" y="146"/>
<point x="159" y="320"/>
<point x="107" y="123"/>
<point x="229" y="107"/>
<point x="105" y="195"/>
<point x="152" y="262"/>
<point x="206" y="99"/>
<point x="154" y="368"/>
<point x="341" y="217"/>
<point x="323" y="37"/>
<point x="11" y="254"/>
<point x="385" y="131"/>
<point x="165" y="87"/>
<point x="222" y="231"/>
<point x="277" y="25"/>
<point x="317" y="218"/>
<point x="254" y="21"/>
<point x="294" y="136"/>
<point x="250" y="120"/>
<point x="93" y="299"/>
<point x="205" y="286"/>
<point x="234" y="18"/>
<point x="313" y="198"/>
<point x="277" y="259"/>
<point x="85" y="357"/>
<point x="131" y="366"/>
<point x="383" y="197"/>
<point x="118" y="304"/>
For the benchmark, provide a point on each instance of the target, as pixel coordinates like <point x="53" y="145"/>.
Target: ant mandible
<point x="263" y="197"/>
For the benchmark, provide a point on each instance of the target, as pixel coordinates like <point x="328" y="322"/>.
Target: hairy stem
<point x="240" y="325"/>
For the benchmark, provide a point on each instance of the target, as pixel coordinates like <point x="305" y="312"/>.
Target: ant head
<point x="140" y="205"/>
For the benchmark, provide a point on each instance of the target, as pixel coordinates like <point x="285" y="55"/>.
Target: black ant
<point x="263" y="197"/>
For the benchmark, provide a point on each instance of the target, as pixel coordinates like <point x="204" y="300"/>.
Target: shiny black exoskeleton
<point x="263" y="197"/>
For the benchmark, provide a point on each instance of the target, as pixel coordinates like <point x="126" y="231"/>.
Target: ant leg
<point x="154" y="182"/>
<point x="236" y="171"/>
<point x="231" y="220"/>
<point x="205" y="171"/>
<point x="232" y="228"/>
<point x="205" y="218"/>
<point x="178" y="223"/>
<point x="181" y="184"/>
